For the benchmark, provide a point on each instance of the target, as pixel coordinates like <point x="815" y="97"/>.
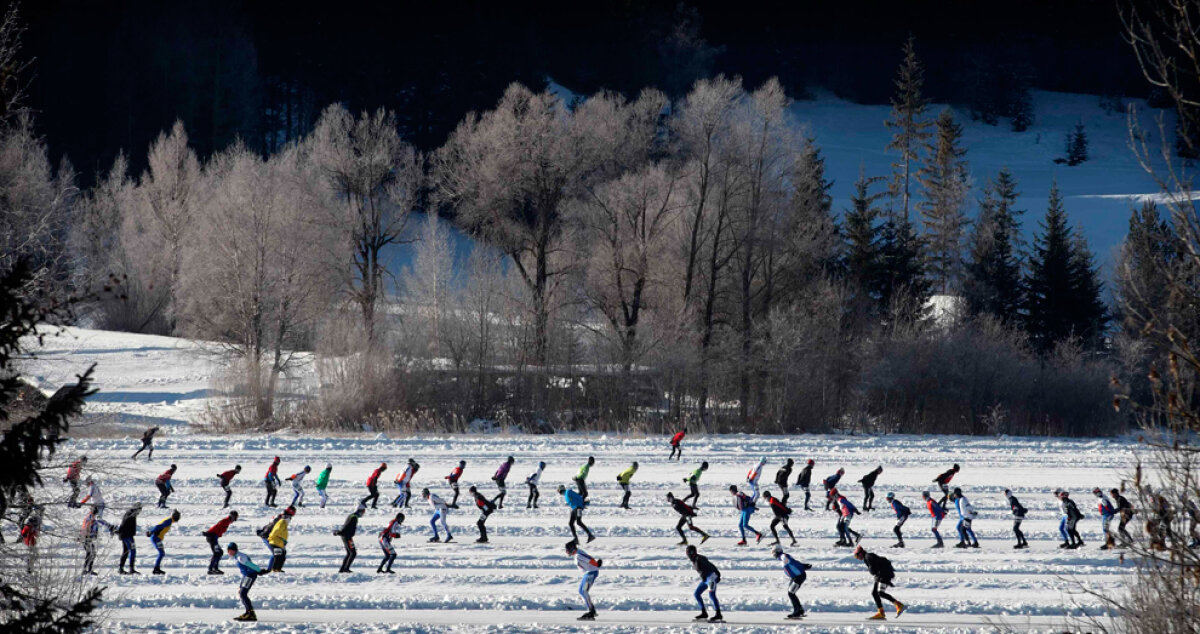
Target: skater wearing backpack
<point x="781" y="512"/>
<point x="1107" y="513"/>
<point x="804" y="480"/>
<point x="1018" y="514"/>
<point x="156" y="535"/>
<point x="686" y="514"/>
<point x="591" y="569"/>
<point x="796" y="572"/>
<point x="693" y="482"/>
<point x="883" y="573"/>
<point x="272" y="482"/>
<point x="532" y="481"/>
<point x="709" y="578"/>
<point x="499" y="477"/>
<point x="936" y="514"/>
<point x="404" y="483"/>
<point x="297" y="480"/>
<point x="830" y="485"/>
<point x="441" y="510"/>
<point x="868" y="484"/>
<point x="214" y="533"/>
<point x="225" y="478"/>
<point x="452" y="480"/>
<point x="373" y="486"/>
<point x="623" y="480"/>
<point x="966" y="515"/>
<point x="902" y="515"/>
<point x="486" y="508"/>
<point x="783" y="478"/>
<point x="677" y="445"/>
<point x="753" y="476"/>
<point x="386" y="536"/>
<point x="576" y="503"/>
<point x="250" y="572"/>
<point x="745" y="506"/>
<point x="323" y="482"/>
<point x="943" y="482"/>
<point x="163" y="483"/>
<point x="347" y="532"/>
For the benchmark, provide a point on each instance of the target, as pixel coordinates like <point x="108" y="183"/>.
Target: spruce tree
<point x="911" y="129"/>
<point x="1077" y="145"/>
<point x="944" y="180"/>
<point x="904" y="288"/>
<point x="993" y="283"/>
<point x="862" y="233"/>
<point x="1064" y="292"/>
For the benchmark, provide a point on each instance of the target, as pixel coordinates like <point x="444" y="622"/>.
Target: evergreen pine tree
<point x="993" y="283"/>
<point x="911" y="130"/>
<point x="1077" y="145"/>
<point x="1064" y="292"/>
<point x="944" y="180"/>
<point x="1022" y="109"/>
<point x="904" y="288"/>
<point x="862" y="233"/>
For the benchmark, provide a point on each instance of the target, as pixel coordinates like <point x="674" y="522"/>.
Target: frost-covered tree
<point x="910" y="128"/>
<point x="429" y="285"/>
<point x="375" y="181"/>
<point x="945" y="181"/>
<point x="36" y="201"/>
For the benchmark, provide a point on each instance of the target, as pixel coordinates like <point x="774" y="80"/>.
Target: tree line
<point x="637" y="261"/>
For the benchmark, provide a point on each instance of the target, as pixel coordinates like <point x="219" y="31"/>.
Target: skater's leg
<point x="775" y="533"/>
<point x="214" y="563"/>
<point x="712" y="593"/>
<point x="244" y="592"/>
<point x="585" y="588"/>
<point x="161" y="552"/>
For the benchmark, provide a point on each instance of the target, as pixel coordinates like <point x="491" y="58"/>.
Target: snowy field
<point x="522" y="581"/>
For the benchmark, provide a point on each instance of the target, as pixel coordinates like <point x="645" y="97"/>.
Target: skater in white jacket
<point x="440" y="511"/>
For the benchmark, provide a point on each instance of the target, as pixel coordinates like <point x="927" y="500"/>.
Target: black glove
<point x="599" y="562"/>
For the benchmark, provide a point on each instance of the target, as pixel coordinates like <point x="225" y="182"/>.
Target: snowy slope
<point x="522" y="581"/>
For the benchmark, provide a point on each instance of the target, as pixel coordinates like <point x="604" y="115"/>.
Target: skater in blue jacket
<point x="250" y="572"/>
<point x="902" y="515"/>
<point x="576" y="504"/>
<point x="796" y="572"/>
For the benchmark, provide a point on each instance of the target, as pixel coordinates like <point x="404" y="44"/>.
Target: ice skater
<point x="693" y="482"/>
<point x="452" y="480"/>
<point x="278" y="540"/>
<point x="1070" y="519"/>
<point x="846" y="512"/>
<point x="147" y="444"/>
<point x="686" y="515"/>
<point x="390" y="532"/>
<point x="582" y="475"/>
<point x="322" y="483"/>
<point x="753" y="476"/>
<point x="347" y="532"/>
<point x="72" y="479"/>
<point x="532" y="481"/>
<point x="782" y="513"/>
<point x="937" y="513"/>
<point x="966" y="515"/>
<point x="1125" y="512"/>
<point x="623" y="479"/>
<point x="212" y="535"/>
<point x="591" y="569"/>
<point x="797" y="573"/>
<point x="125" y="532"/>
<point x="868" y="484"/>
<point x="783" y="478"/>
<point x="157" y="535"/>
<point x="163" y="483"/>
<point x="1107" y="513"/>
<point x="264" y="531"/>
<point x="96" y="497"/>
<point x="224" y="479"/>
<point x="272" y="482"/>
<point x="677" y="445"/>
<point x="943" y="482"/>
<point x="373" y="486"/>
<point x="902" y="515"/>
<point x="486" y="508"/>
<point x="830" y="483"/>
<point x="297" y="480"/>
<point x="403" y="483"/>
<point x="883" y="573"/>
<point x="576" y="503"/>
<point x="87" y="536"/>
<point x="804" y="481"/>
<point x="250" y="572"/>
<point x="1018" y="514"/>
<point x="441" y="511"/>
<point x="745" y="506"/>
<point x="709" y="578"/>
<point x="499" y="477"/>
